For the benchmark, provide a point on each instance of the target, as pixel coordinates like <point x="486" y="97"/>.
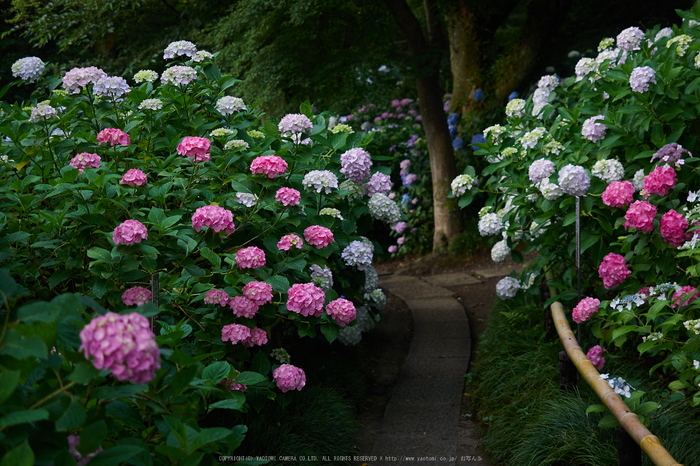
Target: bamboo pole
<point x="629" y="421"/>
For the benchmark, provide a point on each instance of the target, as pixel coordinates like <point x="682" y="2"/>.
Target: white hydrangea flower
<point x="500" y="251"/>
<point x="654" y="336"/>
<point x="540" y="99"/>
<point x="247" y="199"/>
<point x="665" y="32"/>
<point x="515" y="108"/>
<point x="548" y="83"/>
<point x="490" y="224"/>
<point x="43" y="112"/>
<point x="202" y="55"/>
<point x="332" y="212"/>
<point x="606" y="43"/>
<point x="179" y="48"/>
<point x="494" y="132"/>
<point x="692" y="326"/>
<point x="586" y="66"/>
<point x="234" y="144"/>
<point x="507" y="287"/>
<point x="220" y="132"/>
<point x="28" y="69"/>
<point x="608" y="170"/>
<point x="350" y="335"/>
<point x="549" y="190"/>
<point x="145" y="76"/>
<point x="529" y="140"/>
<point x="320" y="180"/>
<point x="681" y="42"/>
<point x="462" y="184"/>
<point x="228" y="105"/>
<point x="371" y="279"/>
<point x="151" y="104"/>
<point x="638" y="180"/>
<point x="552" y="147"/>
<point x="537" y="229"/>
<point x="281" y="355"/>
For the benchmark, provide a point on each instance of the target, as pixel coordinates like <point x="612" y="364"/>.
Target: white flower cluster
<point x="530" y="139"/>
<point x="151" y="104"/>
<point x="247" y="199"/>
<point x="371" y="278"/>
<point x="145" y="76"/>
<point x="692" y="326"/>
<point x="549" y="190"/>
<point x="500" y="251"/>
<point x="179" y="75"/>
<point x="228" y="105"/>
<point x="376" y="298"/>
<point x="331" y="212"/>
<point x="529" y="283"/>
<point x="356" y="190"/>
<point x="281" y="355"/>
<point x="462" y="184"/>
<point x="618" y="384"/>
<point x="654" y="336"/>
<point x="537" y="229"/>
<point x="220" y="132"/>
<point x="234" y="144"/>
<point x="626" y="302"/>
<point x="638" y="180"/>
<point x="28" y="69"/>
<point x="43" y="112"/>
<point x="490" y="224"/>
<point x="507" y="287"/>
<point x="384" y="209"/>
<point x="515" y="107"/>
<point x="608" y="170"/>
<point x="552" y="147"/>
<point x="180" y="48"/>
<point x="202" y="55"/>
<point x="682" y="43"/>
<point x="495" y="132"/>
<point x="111" y="86"/>
<point x="320" y="180"/>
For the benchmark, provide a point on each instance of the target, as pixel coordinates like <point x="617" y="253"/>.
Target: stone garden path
<point x="422" y="425"/>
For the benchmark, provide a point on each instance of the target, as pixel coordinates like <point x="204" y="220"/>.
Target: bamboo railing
<point x="629" y="421"/>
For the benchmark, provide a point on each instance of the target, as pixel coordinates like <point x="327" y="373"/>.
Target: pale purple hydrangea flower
<point x="358" y="254"/>
<point x="665" y="32"/>
<point x="672" y="154"/>
<point x="114" y="87"/>
<point x="384" y="209"/>
<point x="379" y="183"/>
<point x="320" y="180"/>
<point x="355" y="164"/>
<point x="28" y="69"/>
<point x="247" y="199"/>
<point x="593" y="131"/>
<point x="78" y="78"/>
<point x="630" y="39"/>
<point x="574" y="180"/>
<point x="180" y="48"/>
<point x="294" y="125"/>
<point x="641" y="78"/>
<point x="541" y="169"/>
<point x="179" y="75"/>
<point x="43" y="112"/>
<point x="400" y="227"/>
<point x="228" y="105"/>
<point x="124" y="344"/>
<point x="507" y="287"/>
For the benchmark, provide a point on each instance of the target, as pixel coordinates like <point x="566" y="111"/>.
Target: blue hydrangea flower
<point x="458" y="143"/>
<point x="513" y="95"/>
<point x="478" y="95"/>
<point x="478" y="138"/>
<point x="452" y="119"/>
<point x="453" y="131"/>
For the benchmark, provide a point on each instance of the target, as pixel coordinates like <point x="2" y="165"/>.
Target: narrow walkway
<point x="421" y="424"/>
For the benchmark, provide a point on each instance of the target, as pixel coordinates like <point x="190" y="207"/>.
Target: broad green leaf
<point x="38" y="312"/>
<point x="92" y="436"/>
<point x="22" y="417"/>
<point x="72" y="418"/>
<point x="618" y="332"/>
<point x="330" y="331"/>
<point x="226" y="404"/>
<point x="19" y="347"/>
<point x="215" y="372"/>
<point x="120" y="391"/>
<point x="83" y="373"/>
<point x="646" y="408"/>
<point x="279" y="283"/>
<point x="8" y="382"/>
<point x="211" y="256"/>
<point x="598" y="408"/>
<point x="119" y="454"/>
<point x="210" y="435"/>
<point x="21" y="455"/>
<point x="250" y="378"/>
<point x="608" y="422"/>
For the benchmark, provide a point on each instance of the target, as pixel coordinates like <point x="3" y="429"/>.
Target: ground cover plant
<point x="527" y="420"/>
<point x="619" y="137"/>
<point x="163" y="245"/>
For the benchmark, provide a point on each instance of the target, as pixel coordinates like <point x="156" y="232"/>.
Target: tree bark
<point x="442" y="161"/>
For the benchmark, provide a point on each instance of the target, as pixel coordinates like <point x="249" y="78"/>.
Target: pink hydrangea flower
<point x="342" y="311"/>
<point x="232" y="385"/>
<point x="243" y="307"/>
<point x="215" y="217"/>
<point x="136" y="296"/>
<point x="258" y="292"/>
<point x="195" y="147"/>
<point x="306" y="299"/>
<point x="585" y="309"/>
<point x="294" y="123"/>
<point x="288" y="197"/>
<point x="134" y="177"/>
<point x="689" y="293"/>
<point x="613" y="270"/>
<point x="113" y="136"/>
<point x="288" y="377"/>
<point x="130" y="232"/>
<point x="288" y="241"/>
<point x="250" y="258"/>
<point x="318" y="236"/>
<point x="400" y="227"/>
<point x="269" y="165"/>
<point x="124" y="344"/>
<point x="640" y="216"/>
<point x="235" y="333"/>
<point x="660" y="181"/>
<point x="392" y="249"/>
<point x="257" y="337"/>
<point x="595" y="355"/>
<point x="215" y="296"/>
<point x="85" y="160"/>
<point x="618" y="194"/>
<point x="674" y="228"/>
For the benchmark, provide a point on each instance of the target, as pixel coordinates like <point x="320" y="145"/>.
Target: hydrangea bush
<point x="160" y="241"/>
<point x="621" y="136"/>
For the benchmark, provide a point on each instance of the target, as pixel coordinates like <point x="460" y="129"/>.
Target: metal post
<point x="568" y="375"/>
<point x="628" y="452"/>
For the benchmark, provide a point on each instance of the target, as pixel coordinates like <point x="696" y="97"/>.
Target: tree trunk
<point x="442" y="161"/>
